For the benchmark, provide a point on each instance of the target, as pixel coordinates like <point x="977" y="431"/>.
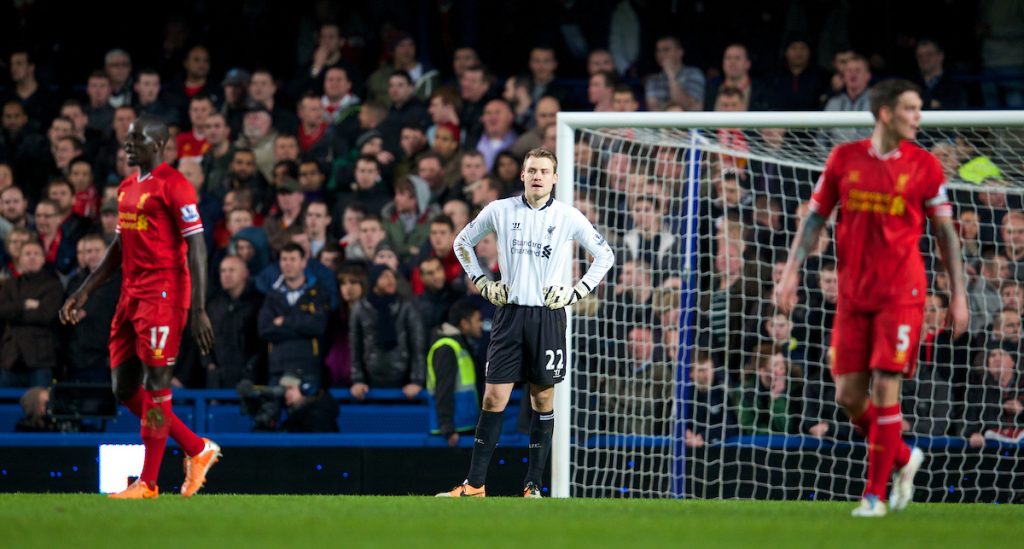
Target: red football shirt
<point x="155" y="213"/>
<point x="189" y="145"/>
<point x="883" y="202"/>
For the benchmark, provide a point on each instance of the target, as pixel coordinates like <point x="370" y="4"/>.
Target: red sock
<point x="155" y="426"/>
<point x="190" y="443"/>
<point x="883" y="444"/>
<point x="866" y="420"/>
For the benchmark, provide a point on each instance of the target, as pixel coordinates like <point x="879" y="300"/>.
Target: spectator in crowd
<point x="412" y="143"/>
<point x="712" y="419"/>
<point x="88" y="359"/>
<point x="430" y="168"/>
<point x="64" y="150"/>
<point x="631" y="302"/>
<point x="235" y="90"/>
<point x="318" y="140"/>
<point x="258" y="135"/>
<point x="293" y="319"/>
<point x="983" y="289"/>
<point x="458" y="211"/>
<point x="406" y="110"/>
<point x="624" y="99"/>
<point x="195" y="79"/>
<point x="736" y="74"/>
<point x="600" y="87"/>
<point x="422" y="80"/>
<point x="440" y="245"/>
<point x="462" y="59"/>
<point x="938" y="91"/>
<point x="443" y="107"/>
<point x="28" y="307"/>
<point x="821" y="417"/>
<point x="38" y="103"/>
<point x="73" y="110"/>
<point x="311" y="179"/>
<point x="927" y="397"/>
<point x="544" y="116"/>
<point x="308" y="409"/>
<point x="14" y="210"/>
<point x="216" y="161"/>
<point x="193" y="143"/>
<point x="475" y="87"/>
<point x="35" y="416"/>
<point x="446" y="146"/>
<point x="676" y="83"/>
<point x="286" y="214"/>
<point x="234" y="311"/>
<point x="799" y="86"/>
<point x="368" y="189"/>
<point x="853" y="97"/>
<point x="407" y="217"/>
<point x="22" y="148"/>
<point x="1012" y="296"/>
<point x="60" y="249"/>
<point x="437" y="296"/>
<point x="148" y="100"/>
<point x="316" y="222"/>
<point x="600" y="60"/>
<point x="994" y="409"/>
<point x="451" y="373"/>
<point x="286" y="149"/>
<point x="263" y="92"/>
<point x="386" y="256"/>
<point x="487" y="254"/>
<point x="649" y="241"/>
<point x="498" y="134"/>
<point x="371" y="235"/>
<point x="970" y="241"/>
<point x="341" y="104"/>
<point x="352" y="287"/>
<point x="118" y="66"/>
<point x="767" y="402"/>
<point x="99" y="111"/>
<point x="108" y="221"/>
<point x="388" y="343"/>
<point x="727" y="298"/>
<point x="86" y="200"/>
<point x="472" y="168"/>
<point x="1012" y="232"/>
<point x="252" y="246"/>
<point x="542" y="80"/>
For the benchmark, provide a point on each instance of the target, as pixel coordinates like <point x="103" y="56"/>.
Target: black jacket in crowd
<point x="237" y="347"/>
<point x="294" y="347"/>
<point x="30" y="336"/>
<point x="406" y="363"/>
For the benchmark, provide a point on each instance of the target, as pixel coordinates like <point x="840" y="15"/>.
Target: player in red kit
<point x="160" y="249"/>
<point x="885" y="188"/>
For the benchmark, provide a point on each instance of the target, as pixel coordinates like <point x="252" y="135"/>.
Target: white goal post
<point x="691" y="135"/>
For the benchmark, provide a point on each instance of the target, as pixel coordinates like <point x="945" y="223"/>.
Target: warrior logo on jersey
<point x="189" y="213"/>
<point x="142" y="200"/>
<point x="599" y="238"/>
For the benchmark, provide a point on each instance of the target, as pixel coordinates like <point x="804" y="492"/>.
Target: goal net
<point x="686" y="380"/>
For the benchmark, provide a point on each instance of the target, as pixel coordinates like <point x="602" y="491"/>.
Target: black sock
<point x="488" y="431"/>
<point x="542" y="424"/>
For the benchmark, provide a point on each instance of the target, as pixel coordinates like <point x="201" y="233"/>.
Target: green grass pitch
<point x="84" y="520"/>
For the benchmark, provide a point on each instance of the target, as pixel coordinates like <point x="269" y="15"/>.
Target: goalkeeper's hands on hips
<point x="559" y="296"/>
<point x="495" y="292"/>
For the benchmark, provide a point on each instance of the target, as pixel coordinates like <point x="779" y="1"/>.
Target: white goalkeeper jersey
<point x="534" y="245"/>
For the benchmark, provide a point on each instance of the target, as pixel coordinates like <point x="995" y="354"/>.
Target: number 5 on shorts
<point x="903" y="338"/>
<point x="163" y="331"/>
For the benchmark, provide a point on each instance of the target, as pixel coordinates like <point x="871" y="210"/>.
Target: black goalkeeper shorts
<point x="527" y="344"/>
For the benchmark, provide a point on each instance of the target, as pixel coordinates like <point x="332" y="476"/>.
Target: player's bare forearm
<point x="197" y="266"/>
<point x="202" y="329"/>
<point x="949" y="249"/>
<point x="108" y="266"/>
<point x="806" y="240"/>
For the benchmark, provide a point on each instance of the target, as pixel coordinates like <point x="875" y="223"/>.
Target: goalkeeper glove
<point x="558" y="296"/>
<point x="495" y="292"/>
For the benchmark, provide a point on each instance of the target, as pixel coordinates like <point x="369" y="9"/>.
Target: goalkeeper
<point x="528" y="336"/>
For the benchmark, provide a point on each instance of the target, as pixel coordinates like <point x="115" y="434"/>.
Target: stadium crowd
<point x="331" y="198"/>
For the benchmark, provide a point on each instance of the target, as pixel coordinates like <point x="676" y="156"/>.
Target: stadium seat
<point x="225" y="418"/>
<point x="9" y="416"/>
<point x="374" y="418"/>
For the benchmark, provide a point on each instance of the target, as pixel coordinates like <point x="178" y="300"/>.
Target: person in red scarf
<point x="87" y="198"/>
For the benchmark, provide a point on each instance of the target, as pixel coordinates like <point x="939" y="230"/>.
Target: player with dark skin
<point x="144" y="146"/>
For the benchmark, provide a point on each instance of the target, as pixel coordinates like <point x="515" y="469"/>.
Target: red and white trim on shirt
<point x="893" y="154"/>
<point x="192" y="230"/>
